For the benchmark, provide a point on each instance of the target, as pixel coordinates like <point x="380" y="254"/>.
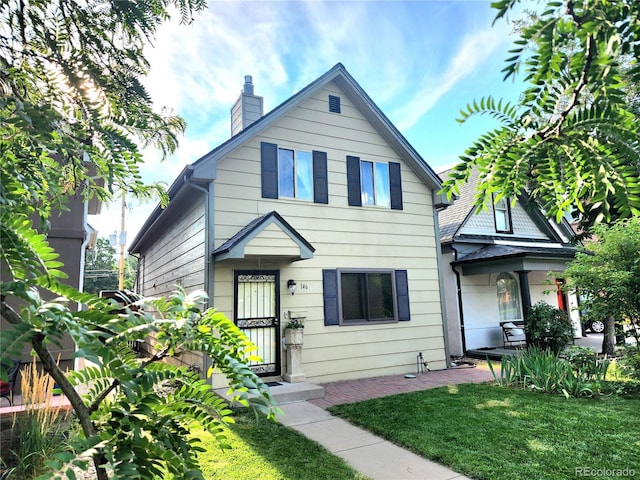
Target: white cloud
<point x="400" y="52"/>
<point x="474" y="50"/>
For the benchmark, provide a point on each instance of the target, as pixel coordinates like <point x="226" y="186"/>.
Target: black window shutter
<point x="353" y="181"/>
<point x="395" y="184"/>
<point x="320" y="182"/>
<point x="402" y="295"/>
<point x="330" y="292"/>
<point x="269" y="167"/>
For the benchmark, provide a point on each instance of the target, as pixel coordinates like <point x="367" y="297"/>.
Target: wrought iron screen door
<point x="257" y="306"/>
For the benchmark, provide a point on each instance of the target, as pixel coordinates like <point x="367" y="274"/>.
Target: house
<point x="497" y="263"/>
<point x="70" y="235"/>
<point x="319" y="211"/>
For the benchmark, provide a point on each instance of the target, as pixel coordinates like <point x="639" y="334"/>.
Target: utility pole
<point x="123" y="240"/>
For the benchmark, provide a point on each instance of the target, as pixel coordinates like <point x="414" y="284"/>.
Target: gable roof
<point x="360" y="99"/>
<point x="235" y="246"/>
<point x="452" y="220"/>
<point x="203" y="170"/>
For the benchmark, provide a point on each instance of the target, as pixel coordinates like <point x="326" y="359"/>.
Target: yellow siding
<point x="177" y="256"/>
<point x="272" y="241"/>
<point x="344" y="237"/>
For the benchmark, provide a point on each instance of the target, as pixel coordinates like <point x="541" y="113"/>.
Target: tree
<point x="100" y="271"/>
<point x="101" y="268"/>
<point x="607" y="277"/>
<point x="571" y="141"/>
<point x="73" y="111"/>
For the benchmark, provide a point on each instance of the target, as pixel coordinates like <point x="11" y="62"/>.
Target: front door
<point x="256" y="314"/>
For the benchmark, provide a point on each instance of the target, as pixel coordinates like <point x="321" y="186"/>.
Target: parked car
<point x="594" y="326"/>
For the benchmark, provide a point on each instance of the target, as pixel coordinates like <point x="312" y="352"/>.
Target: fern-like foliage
<point x="25" y="251"/>
<point x="572" y="141"/>
<point x="135" y="412"/>
<point x="74" y="109"/>
<point x="142" y="408"/>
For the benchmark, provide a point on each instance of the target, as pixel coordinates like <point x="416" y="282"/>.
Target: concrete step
<point x="285" y="392"/>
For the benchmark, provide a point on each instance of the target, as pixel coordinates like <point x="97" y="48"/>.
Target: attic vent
<point x="334" y="104"/>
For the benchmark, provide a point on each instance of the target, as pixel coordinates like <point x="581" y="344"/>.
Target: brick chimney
<point x="247" y="109"/>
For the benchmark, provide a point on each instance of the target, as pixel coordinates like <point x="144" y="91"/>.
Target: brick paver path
<point x="350" y="391"/>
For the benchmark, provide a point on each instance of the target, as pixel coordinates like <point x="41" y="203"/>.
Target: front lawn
<point x="495" y="433"/>
<point x="268" y="451"/>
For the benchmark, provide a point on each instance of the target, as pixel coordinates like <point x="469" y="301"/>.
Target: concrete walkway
<point x="367" y="453"/>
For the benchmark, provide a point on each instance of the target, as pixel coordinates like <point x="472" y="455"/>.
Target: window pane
<point x="501" y="214"/>
<point x="366" y="180"/>
<point x="382" y="185"/>
<point x="285" y="173"/>
<point x="304" y="176"/>
<point x="501" y="221"/>
<point x="508" y="297"/>
<point x="353" y="286"/>
<point x="380" y="296"/>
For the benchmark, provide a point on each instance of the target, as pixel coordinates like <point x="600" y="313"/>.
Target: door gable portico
<point x="268" y="236"/>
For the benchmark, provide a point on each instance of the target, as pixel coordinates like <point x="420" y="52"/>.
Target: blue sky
<point x="420" y="61"/>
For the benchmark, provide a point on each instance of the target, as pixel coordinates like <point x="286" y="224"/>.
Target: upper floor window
<point x="502" y="215"/>
<point x="374" y="183"/>
<point x="374" y="178"/>
<point x="293" y="174"/>
<point x="508" y="297"/>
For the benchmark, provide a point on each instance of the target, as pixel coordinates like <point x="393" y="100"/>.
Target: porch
<point x="593" y="341"/>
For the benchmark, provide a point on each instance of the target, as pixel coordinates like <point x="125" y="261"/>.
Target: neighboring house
<point x="70" y="235"/>
<point x="497" y="263"/>
<point x="323" y="192"/>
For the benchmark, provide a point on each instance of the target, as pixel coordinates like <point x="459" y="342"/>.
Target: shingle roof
<point x="494" y="252"/>
<point x="452" y="218"/>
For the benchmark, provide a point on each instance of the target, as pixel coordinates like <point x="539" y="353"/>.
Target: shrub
<point x="42" y="427"/>
<point x="628" y="389"/>
<point x="548" y="327"/>
<point x="583" y="360"/>
<point x="543" y="371"/>
<point x="629" y="362"/>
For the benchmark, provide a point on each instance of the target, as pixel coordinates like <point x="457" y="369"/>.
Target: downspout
<point x="83" y="247"/>
<point x="459" y="294"/>
<point x="443" y="308"/>
<point x="83" y="251"/>
<point x="209" y="238"/>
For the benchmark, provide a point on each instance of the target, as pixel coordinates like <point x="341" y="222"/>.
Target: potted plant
<point x="293" y="331"/>
<point x="294" y="324"/>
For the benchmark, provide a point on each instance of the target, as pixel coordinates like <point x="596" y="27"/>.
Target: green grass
<point x="266" y="450"/>
<point x="494" y="433"/>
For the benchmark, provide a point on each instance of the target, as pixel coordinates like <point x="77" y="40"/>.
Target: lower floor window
<point x="363" y="296"/>
<point x="367" y="296"/>
<point x="508" y="297"/>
